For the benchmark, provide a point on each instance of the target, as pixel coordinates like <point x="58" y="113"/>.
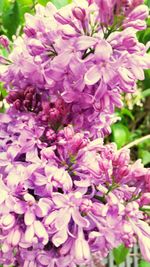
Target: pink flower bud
<point x="145" y="199"/>
<point x="4" y="41"/>
<point x="17" y="104"/>
<point x="69" y="132"/>
<point x="61" y="19"/>
<point x="79" y="13"/>
<point x="140" y="12"/>
<point x="51" y="135"/>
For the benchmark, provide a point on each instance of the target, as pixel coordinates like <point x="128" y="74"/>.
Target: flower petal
<point x="60" y="237"/>
<point x="85" y="42"/>
<point x="92" y="76"/>
<point x="16" y="237"/>
<point x="29" y="234"/>
<point x="78" y="219"/>
<point x="103" y="50"/>
<point x="29" y="217"/>
<point x="40" y="230"/>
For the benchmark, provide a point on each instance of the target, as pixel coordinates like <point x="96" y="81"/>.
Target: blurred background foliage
<point x="134" y="118"/>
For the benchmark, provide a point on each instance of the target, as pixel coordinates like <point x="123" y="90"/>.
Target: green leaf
<point x="140" y="35"/>
<point x="144" y="264"/>
<point x="61" y="3"/>
<point x="120" y="253"/>
<point x="144" y="155"/>
<point x="3" y="91"/>
<point x="120" y="134"/>
<point x="1" y="5"/>
<point x="146" y="93"/>
<point x="127" y="112"/>
<point x="25" y="6"/>
<point x="146" y="36"/>
<point x="147" y="2"/>
<point x="147" y="79"/>
<point x="43" y="2"/>
<point x="10" y="17"/>
<point x="57" y="3"/>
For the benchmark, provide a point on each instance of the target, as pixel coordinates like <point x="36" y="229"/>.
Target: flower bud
<point x="145" y="199"/>
<point x="69" y="132"/>
<point x="79" y="13"/>
<point x="17" y="104"/>
<point x="140" y="12"/>
<point x="4" y="41"/>
<point x="35" y="47"/>
<point x="61" y="19"/>
<point x="50" y="135"/>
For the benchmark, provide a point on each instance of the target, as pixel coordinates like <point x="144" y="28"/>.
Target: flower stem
<point x="136" y="142"/>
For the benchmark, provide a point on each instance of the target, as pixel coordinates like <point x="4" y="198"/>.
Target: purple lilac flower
<point x="66" y="198"/>
<point x="88" y="184"/>
<point x="78" y="59"/>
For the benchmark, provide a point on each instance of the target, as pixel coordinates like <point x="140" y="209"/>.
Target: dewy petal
<point x="29" y="217"/>
<point x="93" y="75"/>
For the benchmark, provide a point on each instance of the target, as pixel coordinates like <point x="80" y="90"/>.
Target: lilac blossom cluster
<point x="86" y="53"/>
<point x="66" y="198"/>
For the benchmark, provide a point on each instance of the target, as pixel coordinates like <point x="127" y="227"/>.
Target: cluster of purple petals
<point x="79" y="54"/>
<point x="66" y="198"/>
<point x="66" y="201"/>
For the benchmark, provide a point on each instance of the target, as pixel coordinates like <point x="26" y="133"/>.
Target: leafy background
<point x="134" y="118"/>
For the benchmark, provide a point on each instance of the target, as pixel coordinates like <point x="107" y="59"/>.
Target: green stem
<point x="136" y="142"/>
<point x="112" y="187"/>
<point x="101" y="199"/>
<point x="134" y="198"/>
<point x="145" y="210"/>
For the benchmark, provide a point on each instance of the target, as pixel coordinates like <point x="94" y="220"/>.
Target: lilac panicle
<point x="66" y="198"/>
<point x="78" y="58"/>
<point x="90" y="185"/>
